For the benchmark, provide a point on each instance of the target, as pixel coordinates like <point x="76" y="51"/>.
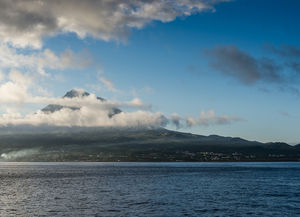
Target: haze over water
<point x="150" y="189"/>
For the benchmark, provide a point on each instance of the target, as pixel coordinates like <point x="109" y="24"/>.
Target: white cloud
<point x="176" y="120"/>
<point x="26" y="23"/>
<point x="16" y="88"/>
<point x="41" y="60"/>
<point x="210" y="118"/>
<point x="20" y="78"/>
<point x="97" y="116"/>
<point x="108" y="84"/>
<point x="87" y="116"/>
<point x="2" y="76"/>
<point x="27" y="70"/>
<point x="137" y="103"/>
<point x="13" y="92"/>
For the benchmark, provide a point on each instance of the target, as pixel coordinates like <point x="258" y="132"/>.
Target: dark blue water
<point x="150" y="189"/>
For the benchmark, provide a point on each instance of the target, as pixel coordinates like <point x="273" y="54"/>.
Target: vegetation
<point x="138" y="145"/>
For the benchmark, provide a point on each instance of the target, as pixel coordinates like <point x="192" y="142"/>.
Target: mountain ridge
<point x="139" y="145"/>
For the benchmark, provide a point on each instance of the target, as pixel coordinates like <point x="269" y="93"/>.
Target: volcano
<point x="73" y="94"/>
<point x="53" y="143"/>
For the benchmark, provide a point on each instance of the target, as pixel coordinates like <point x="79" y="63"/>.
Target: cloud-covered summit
<point x="81" y="109"/>
<point x="26" y="23"/>
<point x="77" y="93"/>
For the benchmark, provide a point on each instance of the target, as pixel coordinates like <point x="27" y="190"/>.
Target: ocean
<point x="150" y="189"/>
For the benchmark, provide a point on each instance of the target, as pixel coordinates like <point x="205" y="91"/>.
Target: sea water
<point x="150" y="189"/>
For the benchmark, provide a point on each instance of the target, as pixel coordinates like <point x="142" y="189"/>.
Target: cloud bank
<point x="93" y="112"/>
<point x="26" y="23"/>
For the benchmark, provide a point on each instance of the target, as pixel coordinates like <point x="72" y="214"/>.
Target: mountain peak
<point x="76" y="93"/>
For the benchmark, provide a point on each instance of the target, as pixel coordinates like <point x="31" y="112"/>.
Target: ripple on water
<point x="149" y="189"/>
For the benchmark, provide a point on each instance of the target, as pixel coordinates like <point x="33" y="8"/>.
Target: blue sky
<point x="239" y="60"/>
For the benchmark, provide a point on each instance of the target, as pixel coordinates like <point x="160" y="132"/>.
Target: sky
<point x="230" y="68"/>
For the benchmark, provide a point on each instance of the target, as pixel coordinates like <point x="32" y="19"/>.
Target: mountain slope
<point x="96" y="144"/>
